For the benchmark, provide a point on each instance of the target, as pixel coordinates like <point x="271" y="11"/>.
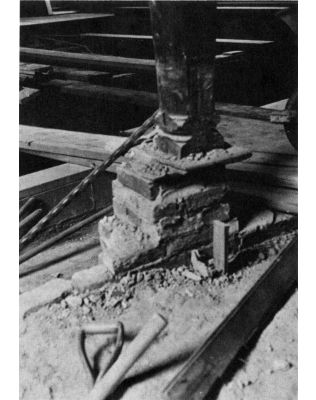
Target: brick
<point x="43" y="295"/>
<point x="131" y="206"/>
<point x="91" y="278"/>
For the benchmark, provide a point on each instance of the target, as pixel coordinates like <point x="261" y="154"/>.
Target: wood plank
<point x="94" y="61"/>
<point x="129" y="37"/>
<point x="68" y="143"/>
<point x="280" y="199"/>
<point x="148" y="99"/>
<point x="53" y="19"/>
<point x="265" y="174"/>
<point x="27" y="94"/>
<point x="255" y="135"/>
<point x="89" y="76"/>
<point x="98" y="92"/>
<point x="86" y="162"/>
<point x="259" y="136"/>
<point x="100" y="62"/>
<point x="50" y="178"/>
<point x="276" y="159"/>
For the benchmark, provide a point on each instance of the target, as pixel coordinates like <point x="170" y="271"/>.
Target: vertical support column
<point x="184" y="35"/>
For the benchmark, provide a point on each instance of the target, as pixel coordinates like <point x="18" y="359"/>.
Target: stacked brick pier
<point x="172" y="187"/>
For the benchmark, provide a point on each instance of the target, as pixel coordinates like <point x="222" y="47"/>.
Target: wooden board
<point x="53" y="19"/>
<point x="281" y="199"/>
<point x="49" y="179"/>
<point x="98" y="61"/>
<point x="75" y="82"/>
<point x="265" y="174"/>
<point x="240" y="42"/>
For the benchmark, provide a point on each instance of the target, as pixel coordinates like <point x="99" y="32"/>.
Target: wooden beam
<point x="49" y="179"/>
<point x="243" y="42"/>
<point x="280" y="199"/>
<point x="100" y="62"/>
<point x="64" y="18"/>
<point x="265" y="174"/>
<point x="75" y="147"/>
<point x="147" y="99"/>
<point x="98" y="92"/>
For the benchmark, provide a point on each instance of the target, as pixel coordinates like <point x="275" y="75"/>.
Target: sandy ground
<point x="50" y="366"/>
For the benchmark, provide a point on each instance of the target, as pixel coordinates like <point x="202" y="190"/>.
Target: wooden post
<point x="220" y="245"/>
<point x="184" y="35"/>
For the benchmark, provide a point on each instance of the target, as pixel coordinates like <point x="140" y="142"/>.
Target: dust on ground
<point x="52" y="369"/>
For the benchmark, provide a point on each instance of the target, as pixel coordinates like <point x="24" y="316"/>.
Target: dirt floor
<point x="50" y="366"/>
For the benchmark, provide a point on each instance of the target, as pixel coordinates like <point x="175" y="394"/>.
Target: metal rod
<point x="119" y="152"/>
<point x="26" y="223"/>
<point x="61" y="235"/>
<point x="29" y="203"/>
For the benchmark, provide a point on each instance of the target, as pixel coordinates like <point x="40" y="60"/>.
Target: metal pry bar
<point x="119" y="152"/>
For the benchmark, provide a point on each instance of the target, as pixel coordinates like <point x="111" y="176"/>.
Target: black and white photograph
<point x="158" y="199"/>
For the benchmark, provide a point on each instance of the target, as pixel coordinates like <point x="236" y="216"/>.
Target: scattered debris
<point x="73" y="301"/>
<point x="190" y="275"/>
<point x="198" y="265"/>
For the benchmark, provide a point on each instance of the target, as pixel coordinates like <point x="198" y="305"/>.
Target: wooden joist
<point x="127" y="37"/>
<point x="49" y="179"/>
<point x="61" y="18"/>
<point x="68" y="146"/>
<point x="265" y="174"/>
<point x="94" y="61"/>
<point x="277" y="198"/>
<point x="78" y="84"/>
<point x="100" y="62"/>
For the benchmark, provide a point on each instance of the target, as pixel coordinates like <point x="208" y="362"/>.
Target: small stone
<point x="158" y="277"/>
<point x="191" y="275"/>
<point x="63" y="304"/>
<point x="86" y="301"/>
<point x="93" y="298"/>
<point x="272" y="252"/>
<point x="73" y="301"/>
<point x="280" y="365"/>
<point x="64" y="314"/>
<point x="124" y="304"/>
<point x="198" y="265"/>
<point x="85" y="310"/>
<point x="140" y="277"/>
<point x="261" y="256"/>
<point x="148" y="276"/>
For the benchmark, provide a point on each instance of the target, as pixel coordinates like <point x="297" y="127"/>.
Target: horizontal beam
<point x="94" y="61"/>
<point x="143" y="98"/>
<point x="149" y="38"/>
<point x="54" y="19"/>
<point x="98" y="61"/>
